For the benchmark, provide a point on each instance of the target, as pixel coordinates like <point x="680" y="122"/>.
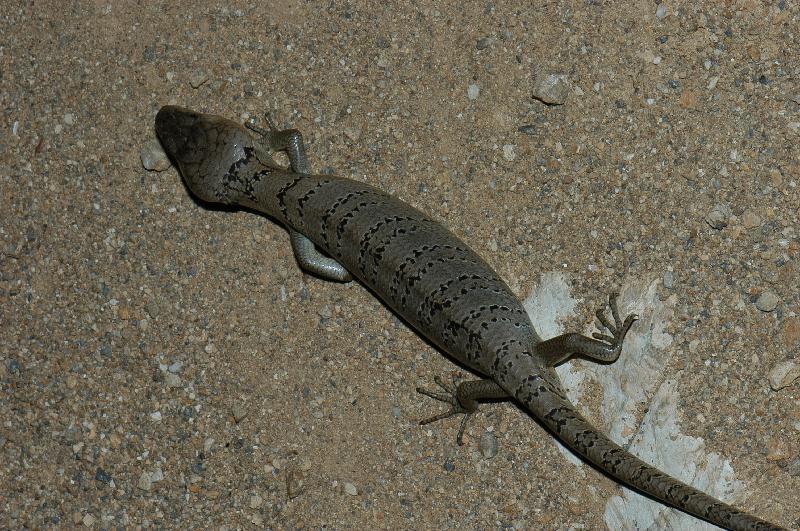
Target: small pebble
<point x="750" y="219"/>
<point x="778" y="450"/>
<point x="102" y="476"/>
<point x="790" y="333"/>
<point x="793" y="469"/>
<point x="688" y="99"/>
<point x="239" y="411"/>
<point x="354" y="134"/>
<point x="13" y="366"/>
<point x="153" y="156"/>
<point x="153" y="309"/>
<point x="256" y="501"/>
<point x="473" y="91"/>
<point x="89" y="520"/>
<point x="784" y="374"/>
<point x="661" y="12"/>
<point x="488" y="444"/>
<point x="304" y="294"/>
<point x="719" y="216"/>
<point x="508" y="152"/>
<point x="648" y="56"/>
<point x="156" y="475"/>
<point x="197" y="78"/>
<point x="484" y="43"/>
<point x="144" y="481"/>
<point x="350" y="489"/>
<point x="172" y="380"/>
<point x="767" y="301"/>
<point x="295" y="485"/>
<point x="551" y="88"/>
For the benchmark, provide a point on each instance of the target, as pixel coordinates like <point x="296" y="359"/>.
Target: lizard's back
<point x="413" y="263"/>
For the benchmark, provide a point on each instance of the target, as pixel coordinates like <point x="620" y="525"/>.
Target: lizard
<point x="342" y="229"/>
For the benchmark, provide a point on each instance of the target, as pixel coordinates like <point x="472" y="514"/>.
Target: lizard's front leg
<point x="308" y="256"/>
<point x="313" y="261"/>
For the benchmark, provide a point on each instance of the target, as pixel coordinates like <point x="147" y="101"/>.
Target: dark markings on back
<point x="364" y="243"/>
<point x="332" y="211"/>
<point x="307" y="196"/>
<point x="239" y="180"/>
<point x="281" y="195"/>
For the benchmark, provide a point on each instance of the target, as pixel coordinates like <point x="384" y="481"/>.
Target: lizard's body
<point x="429" y="277"/>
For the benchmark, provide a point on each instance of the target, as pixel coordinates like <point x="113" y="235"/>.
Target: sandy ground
<point x="167" y="365"/>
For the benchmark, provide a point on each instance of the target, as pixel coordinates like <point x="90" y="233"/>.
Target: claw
<point x="270" y="123"/>
<point x="253" y="127"/>
<point x="632" y="318"/>
<point x="449" y="397"/>
<point x="618" y="329"/>
<point x="603" y="337"/>
<point x="260" y="130"/>
<point x="612" y="302"/>
<point x="601" y="316"/>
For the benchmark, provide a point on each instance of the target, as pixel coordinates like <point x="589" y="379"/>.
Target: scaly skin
<point x="429" y="277"/>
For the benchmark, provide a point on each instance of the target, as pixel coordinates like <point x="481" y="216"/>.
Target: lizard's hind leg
<point x="463" y="398"/>
<point x="601" y="347"/>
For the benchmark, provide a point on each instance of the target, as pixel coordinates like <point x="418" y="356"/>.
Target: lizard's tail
<point x="541" y="393"/>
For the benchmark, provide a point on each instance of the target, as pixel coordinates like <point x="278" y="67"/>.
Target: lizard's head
<point x="206" y="149"/>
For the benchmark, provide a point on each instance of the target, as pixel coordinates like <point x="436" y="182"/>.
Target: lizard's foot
<point x="287" y="140"/>
<point x="616" y="330"/>
<point x="604" y="346"/>
<point x="449" y="396"/>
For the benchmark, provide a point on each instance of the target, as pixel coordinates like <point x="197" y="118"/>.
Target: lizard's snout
<point x="185" y="138"/>
<point x="176" y="131"/>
